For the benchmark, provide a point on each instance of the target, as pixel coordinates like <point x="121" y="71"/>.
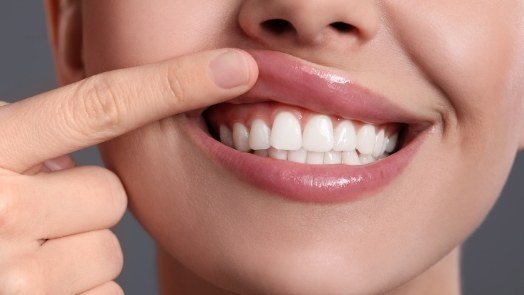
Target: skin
<point x="244" y="239"/>
<point x="55" y="217"/>
<point x="454" y="62"/>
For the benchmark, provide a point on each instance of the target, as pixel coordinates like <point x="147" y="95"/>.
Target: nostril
<point x="277" y="26"/>
<point x="342" y="27"/>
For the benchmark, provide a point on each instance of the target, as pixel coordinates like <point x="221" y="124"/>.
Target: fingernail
<point x="58" y="164"/>
<point x="230" y="70"/>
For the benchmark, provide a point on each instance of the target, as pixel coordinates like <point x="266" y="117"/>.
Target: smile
<point x="309" y="134"/>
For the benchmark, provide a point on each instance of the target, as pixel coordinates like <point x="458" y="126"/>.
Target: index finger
<point x="110" y="104"/>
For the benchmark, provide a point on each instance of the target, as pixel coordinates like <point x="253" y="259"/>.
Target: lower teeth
<point x="315" y="158"/>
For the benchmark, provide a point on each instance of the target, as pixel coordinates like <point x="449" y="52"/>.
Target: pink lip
<point x="288" y="80"/>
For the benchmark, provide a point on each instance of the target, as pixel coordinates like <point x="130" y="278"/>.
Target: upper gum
<point x="229" y="114"/>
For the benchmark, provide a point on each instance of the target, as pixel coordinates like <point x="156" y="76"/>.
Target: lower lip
<point x="301" y="182"/>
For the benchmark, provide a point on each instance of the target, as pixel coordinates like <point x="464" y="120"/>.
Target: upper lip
<point x="293" y="81"/>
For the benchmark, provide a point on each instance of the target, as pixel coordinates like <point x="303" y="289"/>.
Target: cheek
<point x="474" y="59"/>
<point x="472" y="56"/>
<point x="135" y="32"/>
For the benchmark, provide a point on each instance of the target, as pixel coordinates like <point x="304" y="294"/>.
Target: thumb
<point x="52" y="165"/>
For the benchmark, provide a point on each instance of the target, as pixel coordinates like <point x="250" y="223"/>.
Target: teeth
<point x="286" y="133"/>
<point x="367" y="159"/>
<point x="277" y="154"/>
<point x="333" y="158"/>
<point x="226" y="137"/>
<point x="366" y="139"/>
<point x="298" y="156"/>
<point x="319" y="143"/>
<point x="318" y="134"/>
<point x="315" y="158"/>
<point x="391" y="143"/>
<point x="241" y="137"/>
<point x="380" y="144"/>
<point x="350" y="158"/>
<point x="345" y="137"/>
<point x="259" y="135"/>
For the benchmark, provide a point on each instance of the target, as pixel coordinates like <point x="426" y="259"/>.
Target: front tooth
<point x="366" y="139"/>
<point x="318" y="134"/>
<point x="345" y="137"/>
<point x="367" y="159"/>
<point x="315" y="158"/>
<point x="298" y="156"/>
<point x="392" y="143"/>
<point x="332" y="158"/>
<point x="350" y="158"/>
<point x="259" y="135"/>
<point x="241" y="137"/>
<point x="226" y="137"/>
<point x="277" y="154"/>
<point x="286" y="133"/>
<point x="379" y="144"/>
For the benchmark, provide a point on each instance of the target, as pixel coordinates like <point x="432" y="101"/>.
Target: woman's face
<point x="449" y="70"/>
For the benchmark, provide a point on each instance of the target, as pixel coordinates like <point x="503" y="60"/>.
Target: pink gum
<point x="229" y="114"/>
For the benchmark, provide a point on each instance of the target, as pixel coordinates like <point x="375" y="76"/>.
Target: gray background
<point x="493" y="261"/>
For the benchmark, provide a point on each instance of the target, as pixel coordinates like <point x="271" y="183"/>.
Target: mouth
<point x="308" y="133"/>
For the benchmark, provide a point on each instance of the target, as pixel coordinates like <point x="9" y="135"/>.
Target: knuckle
<point x="117" y="196"/>
<point x="117" y="290"/>
<point x="178" y="84"/>
<point x="110" y="288"/>
<point x="98" y="104"/>
<point x="8" y="207"/>
<point x="115" y="192"/>
<point x="108" y="190"/>
<point x="114" y="289"/>
<point x="111" y="251"/>
<point x="21" y="279"/>
<point x="5" y="210"/>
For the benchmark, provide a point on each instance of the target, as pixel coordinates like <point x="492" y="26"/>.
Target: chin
<point x="313" y="271"/>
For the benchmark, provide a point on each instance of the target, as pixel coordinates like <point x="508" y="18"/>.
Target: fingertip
<point x="252" y="66"/>
<point x="233" y="68"/>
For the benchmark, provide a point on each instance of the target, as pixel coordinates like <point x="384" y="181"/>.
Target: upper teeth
<point x="318" y="134"/>
<point x="259" y="136"/>
<point x="286" y="133"/>
<point x="318" y="143"/>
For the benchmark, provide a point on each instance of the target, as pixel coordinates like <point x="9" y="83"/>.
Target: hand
<point x="54" y="218"/>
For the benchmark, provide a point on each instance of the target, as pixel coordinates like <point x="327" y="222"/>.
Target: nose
<point x="309" y="22"/>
